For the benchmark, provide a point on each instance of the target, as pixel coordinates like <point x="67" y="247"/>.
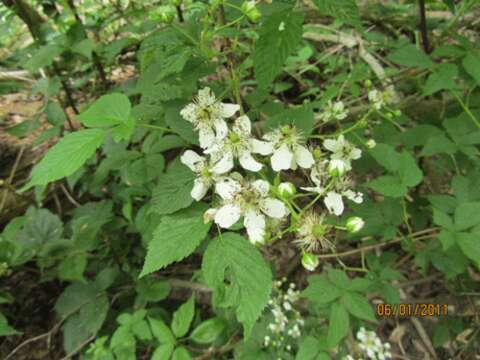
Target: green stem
<point x="466" y="109"/>
<point x="156" y="127"/>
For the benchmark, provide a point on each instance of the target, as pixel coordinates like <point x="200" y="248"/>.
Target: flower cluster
<point x="252" y="198"/>
<point x="287" y="321"/>
<point x="371" y="346"/>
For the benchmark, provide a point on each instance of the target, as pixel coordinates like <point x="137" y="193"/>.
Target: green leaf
<point x="308" y="349"/>
<point x="471" y="63"/>
<point x="72" y="267"/>
<point x="301" y="117"/>
<point x="144" y="170"/>
<point x="386" y="156"/>
<point x="151" y="289"/>
<point x="320" y="290"/>
<point x="182" y="318"/>
<point x="172" y="192"/>
<point x="161" y="331"/>
<point x="5" y="329"/>
<point x="345" y="10"/>
<point x="55" y="114"/>
<point x="470" y="245"/>
<point x="181" y="354"/>
<point x="248" y="270"/>
<point x="43" y="57"/>
<point x="66" y="157"/>
<point x="339" y="278"/>
<point x="388" y="185"/>
<point x="84" y="48"/>
<point x="208" y="331"/>
<point x="86" y="307"/>
<point x="338" y="324"/>
<point x="443" y="78"/>
<point x="358" y="306"/>
<point x="108" y="110"/>
<point x="467" y="215"/>
<point x="176" y="237"/>
<point x="411" y="56"/>
<point x="437" y="145"/>
<point x="410" y="173"/>
<point x="280" y="34"/>
<point x="163" y="352"/>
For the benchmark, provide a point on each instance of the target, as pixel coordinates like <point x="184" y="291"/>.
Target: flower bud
<point x="317" y="153"/>
<point x="251" y="11"/>
<point x="286" y="189"/>
<point x="354" y="224"/>
<point x="371" y="144"/>
<point x="397" y="113"/>
<point x="337" y="168"/>
<point x="368" y="84"/>
<point x="310" y="261"/>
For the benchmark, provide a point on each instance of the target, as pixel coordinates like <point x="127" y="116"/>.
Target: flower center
<point x="318" y="230"/>
<point x="234" y="138"/>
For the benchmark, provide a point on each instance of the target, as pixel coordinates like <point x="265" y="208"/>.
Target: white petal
<point x="282" y="158"/>
<point x="209" y="215"/>
<point x="227" y="215"/>
<point x="189" y="113"/>
<point x="303" y="157"/>
<point x="255" y="225"/>
<point x="206" y="137"/>
<point x="354" y="196"/>
<point x="331" y="145"/>
<point x="334" y="203"/>
<point x="199" y="189"/>
<point x="192" y="160"/>
<point x="261" y="147"/>
<point x="228" y="110"/>
<point x="248" y="162"/>
<point x="221" y="128"/>
<point x="355" y="154"/>
<point x="223" y="165"/>
<point x="227" y="188"/>
<point x="262" y="187"/>
<point x="242" y="125"/>
<point x="274" y="208"/>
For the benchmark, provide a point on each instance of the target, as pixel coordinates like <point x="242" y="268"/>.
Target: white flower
<point x="240" y="144"/>
<point x="334" y="201"/>
<point x="379" y="99"/>
<point x="310" y="261"/>
<point x="355" y="224"/>
<point x="371" y="345"/>
<point x="206" y="172"/>
<point x="207" y="115"/>
<point x="250" y="200"/>
<point x="334" y="110"/>
<point x="342" y="150"/>
<point x="288" y="149"/>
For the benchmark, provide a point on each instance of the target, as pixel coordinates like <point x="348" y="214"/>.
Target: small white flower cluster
<point x="334" y="110"/>
<point x="287" y="321"/>
<point x="253" y="199"/>
<point x="379" y="98"/>
<point x="371" y="346"/>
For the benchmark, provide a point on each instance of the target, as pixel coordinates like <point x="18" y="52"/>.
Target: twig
<point x="423" y="26"/>
<point x="11" y="176"/>
<point x="419" y="235"/>
<point x="79" y="347"/>
<point x="69" y="196"/>
<point x="189" y="285"/>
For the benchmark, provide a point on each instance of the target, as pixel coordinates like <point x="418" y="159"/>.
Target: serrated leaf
<point x="172" y="192"/>
<point x="247" y="269"/>
<point x="345" y="10"/>
<point x="279" y="36"/>
<point x="443" y="78"/>
<point x="467" y="215"/>
<point x="108" y="110"/>
<point x="386" y="156"/>
<point x="338" y="324"/>
<point x="181" y="353"/>
<point x="388" y="185"/>
<point x="358" y="306"/>
<point x="208" y="331"/>
<point x="471" y="63"/>
<point x="182" y="318"/>
<point x="161" y="331"/>
<point x="43" y="57"/>
<point x="411" y="56"/>
<point x="176" y="237"/>
<point x="470" y="245"/>
<point x="66" y="157"/>
<point x="410" y="173"/>
<point x="320" y="290"/>
<point x="163" y="352"/>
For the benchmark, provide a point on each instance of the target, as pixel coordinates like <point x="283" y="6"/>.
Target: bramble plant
<point x="240" y="179"/>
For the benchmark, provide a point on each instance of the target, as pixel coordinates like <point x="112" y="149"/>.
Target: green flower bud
<point x="368" y="84"/>
<point x="397" y="113"/>
<point x="355" y="224"/>
<point x="310" y="261"/>
<point x="317" y="153"/>
<point x="251" y="11"/>
<point x="337" y="168"/>
<point x="286" y="189"/>
<point x="371" y="144"/>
